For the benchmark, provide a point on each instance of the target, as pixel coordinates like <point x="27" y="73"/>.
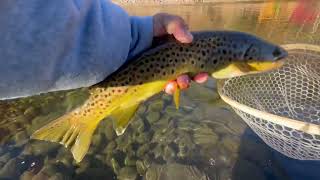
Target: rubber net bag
<point x="282" y="106"/>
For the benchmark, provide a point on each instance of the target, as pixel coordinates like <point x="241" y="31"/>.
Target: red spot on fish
<point x="201" y="77"/>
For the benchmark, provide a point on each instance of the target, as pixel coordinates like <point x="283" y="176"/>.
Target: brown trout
<point x="223" y="54"/>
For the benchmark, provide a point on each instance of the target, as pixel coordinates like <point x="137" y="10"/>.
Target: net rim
<point x="306" y="127"/>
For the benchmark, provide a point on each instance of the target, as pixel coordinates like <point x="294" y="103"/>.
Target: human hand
<point x="163" y="24"/>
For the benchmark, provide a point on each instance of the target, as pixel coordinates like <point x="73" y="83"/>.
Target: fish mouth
<point x="279" y="53"/>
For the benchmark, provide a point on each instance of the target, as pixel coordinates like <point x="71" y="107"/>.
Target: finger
<point x="183" y="35"/>
<point x="201" y="77"/>
<point x="183" y="81"/>
<point x="176" y="26"/>
<point x="171" y="87"/>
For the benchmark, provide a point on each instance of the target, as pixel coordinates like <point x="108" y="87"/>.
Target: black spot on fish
<point x="224" y="52"/>
<point x="203" y="53"/>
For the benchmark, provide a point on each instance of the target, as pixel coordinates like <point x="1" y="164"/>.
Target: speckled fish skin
<point x="209" y="52"/>
<point x="120" y="94"/>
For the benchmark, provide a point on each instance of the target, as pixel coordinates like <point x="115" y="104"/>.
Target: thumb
<point x="178" y="28"/>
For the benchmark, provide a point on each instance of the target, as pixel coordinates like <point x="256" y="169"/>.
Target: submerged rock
<point x="141" y="168"/>
<point x="153" y="116"/>
<point x="205" y="136"/>
<point x="175" y="172"/>
<point x="127" y="173"/>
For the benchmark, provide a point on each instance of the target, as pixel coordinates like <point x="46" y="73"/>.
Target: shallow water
<point x="204" y="139"/>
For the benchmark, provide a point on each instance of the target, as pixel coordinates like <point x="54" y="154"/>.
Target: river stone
<point x="31" y="112"/>
<point x="142" y="109"/>
<point x="115" y="165"/>
<point x="98" y="173"/>
<point x="21" y="136"/>
<point x="110" y="147"/>
<point x="205" y="136"/>
<point x="97" y="139"/>
<point x="143" y="149"/>
<point x="5" y="157"/>
<point x="205" y="95"/>
<point x="158" y="151"/>
<point x="44" y="147"/>
<point x="156" y="105"/>
<point x="144" y="137"/>
<point x="141" y="168"/>
<point x="231" y="143"/>
<point x="130" y="161"/>
<point x="40" y="176"/>
<point x="127" y="173"/>
<point x="174" y="172"/>
<point x="12" y="169"/>
<point x="153" y="116"/>
<point x="169" y="154"/>
<point x="173" y="112"/>
<point x="27" y="175"/>
<point x="147" y="161"/>
<point x="59" y="176"/>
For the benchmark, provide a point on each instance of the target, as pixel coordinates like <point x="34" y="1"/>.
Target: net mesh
<point x="293" y="92"/>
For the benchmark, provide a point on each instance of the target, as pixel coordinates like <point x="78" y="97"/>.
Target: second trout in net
<point x="222" y="54"/>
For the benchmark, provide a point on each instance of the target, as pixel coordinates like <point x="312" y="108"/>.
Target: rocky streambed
<point x="204" y="139"/>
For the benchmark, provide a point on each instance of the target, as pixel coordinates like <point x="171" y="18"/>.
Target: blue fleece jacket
<point x="50" y="45"/>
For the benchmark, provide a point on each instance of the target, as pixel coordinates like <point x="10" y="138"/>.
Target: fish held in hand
<point x="222" y="54"/>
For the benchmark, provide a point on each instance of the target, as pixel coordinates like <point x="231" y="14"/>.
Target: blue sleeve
<point x="65" y="44"/>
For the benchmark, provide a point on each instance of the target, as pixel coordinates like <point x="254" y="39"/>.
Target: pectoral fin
<point x="122" y="117"/>
<point x="176" y="98"/>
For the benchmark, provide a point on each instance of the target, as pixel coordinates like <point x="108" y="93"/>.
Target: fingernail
<point x="188" y="37"/>
<point x="171" y="87"/>
<point x="201" y="77"/>
<point x="183" y="81"/>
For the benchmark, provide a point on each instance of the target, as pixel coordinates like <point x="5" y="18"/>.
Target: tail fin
<point x="70" y="132"/>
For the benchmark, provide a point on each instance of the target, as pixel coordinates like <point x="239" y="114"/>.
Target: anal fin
<point x="176" y="98"/>
<point x="122" y="117"/>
